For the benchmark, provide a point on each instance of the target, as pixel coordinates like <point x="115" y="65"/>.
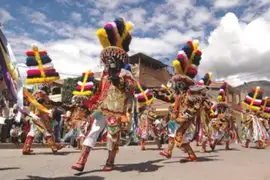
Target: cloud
<point x="77" y="17"/>
<point x="5" y="16"/>
<point x="222" y="4"/>
<point x="236" y="48"/>
<point x="70" y="56"/>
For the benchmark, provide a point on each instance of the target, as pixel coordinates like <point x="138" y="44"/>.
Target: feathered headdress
<point x="222" y="94"/>
<point x="40" y="67"/>
<point x="115" y="38"/>
<point x="188" y="59"/>
<point x="143" y="94"/>
<point x="85" y="86"/>
<point x="265" y="107"/>
<point x="253" y="100"/>
<point x="116" y="33"/>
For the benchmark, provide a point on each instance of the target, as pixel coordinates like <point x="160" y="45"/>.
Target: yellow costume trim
<point x="148" y="101"/>
<point x="41" y="80"/>
<point x="38" y="59"/>
<point x="84" y="80"/>
<point x="85" y="93"/>
<point x="255" y="95"/>
<point x="33" y="101"/>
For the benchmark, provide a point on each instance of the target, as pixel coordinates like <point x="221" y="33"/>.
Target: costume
<point x="78" y="113"/>
<point x="254" y="122"/>
<point x="39" y="72"/>
<point x="112" y="101"/>
<point x="222" y="124"/>
<point x="189" y="99"/>
<point x="147" y="116"/>
<point x="204" y="135"/>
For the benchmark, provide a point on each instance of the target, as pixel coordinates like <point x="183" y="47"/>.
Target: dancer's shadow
<point x="57" y="153"/>
<point x="8" y="168"/>
<point x="200" y="159"/>
<point x="64" y="178"/>
<point x="231" y="149"/>
<point x="148" y="166"/>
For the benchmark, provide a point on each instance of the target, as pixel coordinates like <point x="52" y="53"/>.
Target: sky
<point x="234" y="35"/>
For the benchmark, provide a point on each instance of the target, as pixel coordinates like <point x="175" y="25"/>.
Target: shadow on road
<point x="56" y="154"/>
<point x="65" y="178"/>
<point x="231" y="149"/>
<point x="200" y="159"/>
<point x="147" y="166"/>
<point x="8" y="168"/>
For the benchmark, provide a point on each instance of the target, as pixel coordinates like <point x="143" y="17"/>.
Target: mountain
<point x="265" y="85"/>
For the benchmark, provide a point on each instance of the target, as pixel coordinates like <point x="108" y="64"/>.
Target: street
<point x="133" y="164"/>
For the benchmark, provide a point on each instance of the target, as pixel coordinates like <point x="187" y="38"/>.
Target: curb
<point x="41" y="145"/>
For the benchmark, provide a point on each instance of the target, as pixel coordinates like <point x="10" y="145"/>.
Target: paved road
<point x="132" y="164"/>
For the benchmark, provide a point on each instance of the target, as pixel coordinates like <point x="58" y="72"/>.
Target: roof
<point x="218" y="84"/>
<point x="59" y="81"/>
<point x="147" y="60"/>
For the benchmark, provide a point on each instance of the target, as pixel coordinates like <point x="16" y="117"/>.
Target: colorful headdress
<point x="40" y="67"/>
<point x="85" y="86"/>
<point x="222" y="94"/>
<point x="116" y="33"/>
<point x="188" y="59"/>
<point x="253" y="100"/>
<point x="266" y="107"/>
<point x="143" y="94"/>
<point x="113" y="52"/>
<point x="206" y="80"/>
<point x="164" y="94"/>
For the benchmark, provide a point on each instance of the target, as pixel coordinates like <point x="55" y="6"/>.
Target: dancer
<point x="222" y="120"/>
<point x="78" y="112"/>
<point x="205" y="133"/>
<point x="255" y="127"/>
<point x="116" y="88"/>
<point x="189" y="99"/>
<point x="147" y="116"/>
<point x="40" y="71"/>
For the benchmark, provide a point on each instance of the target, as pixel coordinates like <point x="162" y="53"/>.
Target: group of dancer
<point x="111" y="103"/>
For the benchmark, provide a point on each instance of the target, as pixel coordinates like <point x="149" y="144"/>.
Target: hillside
<point x="265" y="85"/>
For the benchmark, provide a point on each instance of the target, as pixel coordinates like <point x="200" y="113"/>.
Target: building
<point x="153" y="73"/>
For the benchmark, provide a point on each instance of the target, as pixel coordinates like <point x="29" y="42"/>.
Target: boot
<point x="191" y="155"/>
<point x="142" y="142"/>
<point x="158" y="141"/>
<point x="260" y="145"/>
<point x="204" y="146"/>
<point x="112" y="153"/>
<point x="246" y="144"/>
<point x="110" y="161"/>
<point x="52" y="144"/>
<point x="79" y="166"/>
<point x="213" y="145"/>
<point x="168" y="153"/>
<point x="227" y="145"/>
<point x="27" y="145"/>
